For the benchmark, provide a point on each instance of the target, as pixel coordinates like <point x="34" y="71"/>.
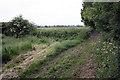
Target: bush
<point x="18" y="27"/>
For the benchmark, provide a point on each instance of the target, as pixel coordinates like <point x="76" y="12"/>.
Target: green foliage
<point x="107" y="57"/>
<point x="103" y="16"/>
<point x="18" y="27"/>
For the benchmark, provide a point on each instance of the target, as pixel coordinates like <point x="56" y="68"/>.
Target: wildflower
<point x="97" y="49"/>
<point x="103" y="42"/>
<point x="110" y="50"/>
<point x="106" y="52"/>
<point x="110" y="43"/>
<point x="113" y="52"/>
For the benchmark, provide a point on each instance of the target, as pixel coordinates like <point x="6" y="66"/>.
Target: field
<point x="59" y="53"/>
<point x="13" y="46"/>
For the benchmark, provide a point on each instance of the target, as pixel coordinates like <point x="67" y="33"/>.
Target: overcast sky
<point x="43" y="12"/>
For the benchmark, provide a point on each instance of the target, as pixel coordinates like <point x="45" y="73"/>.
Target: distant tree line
<point x="103" y="16"/>
<point x="59" y="26"/>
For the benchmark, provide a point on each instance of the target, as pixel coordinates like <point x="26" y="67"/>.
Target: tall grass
<point x="12" y="47"/>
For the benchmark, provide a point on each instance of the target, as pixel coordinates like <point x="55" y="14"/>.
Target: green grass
<point x="65" y="67"/>
<point x="12" y="47"/>
<point x="53" y="51"/>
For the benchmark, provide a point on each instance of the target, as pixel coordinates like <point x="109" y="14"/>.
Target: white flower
<point x="106" y="52"/>
<point x="110" y="43"/>
<point x="97" y="49"/>
<point x="110" y="50"/>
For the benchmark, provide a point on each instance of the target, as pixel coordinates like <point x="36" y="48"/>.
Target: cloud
<point x="43" y="12"/>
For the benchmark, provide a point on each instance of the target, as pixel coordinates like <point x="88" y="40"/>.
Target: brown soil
<point x="89" y="67"/>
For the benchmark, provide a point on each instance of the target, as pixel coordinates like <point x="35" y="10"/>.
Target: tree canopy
<point x="103" y="16"/>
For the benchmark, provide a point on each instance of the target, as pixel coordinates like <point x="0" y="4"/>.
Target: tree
<point x="103" y="16"/>
<point x="18" y="27"/>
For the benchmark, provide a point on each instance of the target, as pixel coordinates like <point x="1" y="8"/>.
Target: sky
<point x="43" y="12"/>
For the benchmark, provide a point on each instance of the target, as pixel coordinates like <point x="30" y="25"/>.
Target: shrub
<point x="18" y="27"/>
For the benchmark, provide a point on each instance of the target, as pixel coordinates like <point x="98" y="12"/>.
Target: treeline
<point x="103" y="16"/>
<point x="46" y="26"/>
<point x="20" y="27"/>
